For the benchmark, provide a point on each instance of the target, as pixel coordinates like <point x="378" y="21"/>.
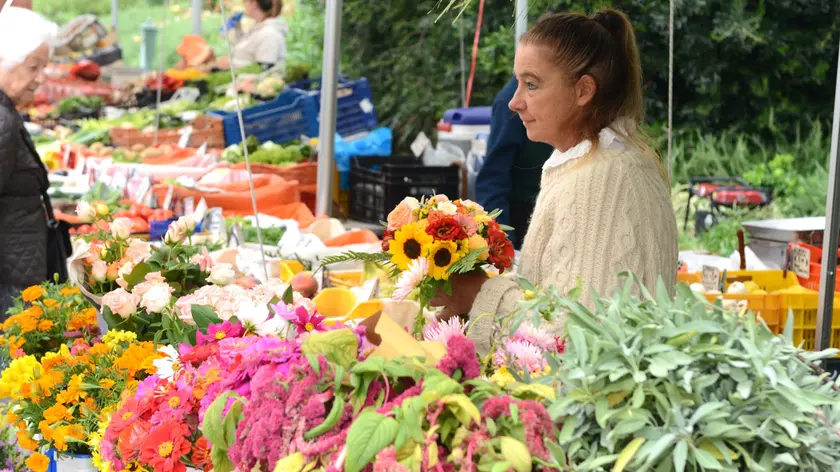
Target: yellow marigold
<point x="70" y="291"/>
<point x="19" y="372"/>
<point x="74" y="392"/>
<point x="45" y="325"/>
<point x="136" y="358"/>
<point x="33" y="293"/>
<point x="99" y="349"/>
<point x="25" y="440"/>
<point x="48" y="381"/>
<point x="114" y="337"/>
<point x="38" y="462"/>
<point x="106" y="383"/>
<point x="50" y="303"/>
<point x="47" y="431"/>
<point x="56" y="413"/>
<point x="62" y="433"/>
<point x="11" y="417"/>
<point x="502" y="377"/>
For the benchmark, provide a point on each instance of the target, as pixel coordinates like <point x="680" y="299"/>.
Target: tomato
<point x="122" y="214"/>
<point x="83" y="229"/>
<point x="139" y="225"/>
<point x="72" y="230"/>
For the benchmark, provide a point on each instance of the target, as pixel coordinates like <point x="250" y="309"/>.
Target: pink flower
<point x="443" y="331"/>
<point x="99" y="270"/>
<point x="468" y="223"/>
<point x="307" y="323"/>
<point x="121" y="303"/>
<point x="411" y="278"/>
<point x="156" y="297"/>
<point x="523" y="355"/>
<point x="138" y="251"/>
<point x="539" y="337"/>
<point x="403" y="214"/>
<point x="217" y="332"/>
<point x="460" y="355"/>
<point x="204" y="261"/>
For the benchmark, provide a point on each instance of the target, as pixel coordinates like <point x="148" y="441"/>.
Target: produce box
<point x="286" y="118"/>
<point x="355" y="113"/>
<point x="306" y="173"/>
<point x="815" y="266"/>
<point x="205" y="130"/>
<point x="54" y="90"/>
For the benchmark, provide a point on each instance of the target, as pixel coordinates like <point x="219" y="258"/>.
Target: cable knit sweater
<point x="595" y="217"/>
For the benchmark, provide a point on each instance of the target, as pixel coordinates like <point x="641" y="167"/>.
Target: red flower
<point x="387" y="238"/>
<point x="163" y="448"/>
<point x="131" y="412"/>
<point x="131" y="440"/>
<point x="501" y="250"/>
<point x="561" y="345"/>
<point x="445" y="228"/>
<point x="201" y="453"/>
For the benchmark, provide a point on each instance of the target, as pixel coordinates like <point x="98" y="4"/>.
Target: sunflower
<point x="442" y="254"/>
<point x="410" y="242"/>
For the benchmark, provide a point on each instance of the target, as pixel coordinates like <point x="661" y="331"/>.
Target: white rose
<point x="121" y="228"/>
<point x="156" y="298"/>
<point x="180" y="230"/>
<point x="412" y="203"/>
<point x="99" y="270"/>
<point x="85" y="212"/>
<point x="447" y="208"/>
<point x="222" y="274"/>
<point x="120" y="303"/>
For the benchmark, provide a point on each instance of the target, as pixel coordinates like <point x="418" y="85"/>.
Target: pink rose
<point x="120" y="303"/>
<point x="156" y="297"/>
<point x="204" y="261"/>
<point x="99" y="270"/>
<point x="138" y="251"/>
<point x="403" y="214"/>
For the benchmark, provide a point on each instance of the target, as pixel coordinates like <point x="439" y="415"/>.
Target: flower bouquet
<point x="56" y="403"/>
<point x="428" y="241"/>
<point x="44" y="317"/>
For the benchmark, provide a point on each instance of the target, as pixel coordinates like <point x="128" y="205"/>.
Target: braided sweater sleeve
<point x="595" y="218"/>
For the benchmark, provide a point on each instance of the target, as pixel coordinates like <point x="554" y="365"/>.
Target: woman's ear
<point x="585" y="90"/>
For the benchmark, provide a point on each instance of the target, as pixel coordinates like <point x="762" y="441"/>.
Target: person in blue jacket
<point x="509" y="180"/>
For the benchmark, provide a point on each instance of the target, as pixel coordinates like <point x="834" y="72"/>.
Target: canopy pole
<point x="832" y="225"/>
<point x="521" y="20"/>
<point x="161" y="61"/>
<point x="115" y="13"/>
<point x="670" y="84"/>
<point x="197" y="6"/>
<point x="329" y="89"/>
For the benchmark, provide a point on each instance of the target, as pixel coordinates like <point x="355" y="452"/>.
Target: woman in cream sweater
<point x="604" y="205"/>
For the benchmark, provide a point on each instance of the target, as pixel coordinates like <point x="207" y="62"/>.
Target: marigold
<point x="106" y="383"/>
<point x="114" y="337"/>
<point x="46" y="430"/>
<point x="74" y="393"/>
<point x="50" y="303"/>
<point x="99" y="349"/>
<point x="27" y="323"/>
<point x="19" y="372"/>
<point x="33" y="293"/>
<point x="70" y="291"/>
<point x="35" y="311"/>
<point x="25" y="441"/>
<point x="38" y="462"/>
<point x="136" y="358"/>
<point x="45" y="325"/>
<point x="57" y="413"/>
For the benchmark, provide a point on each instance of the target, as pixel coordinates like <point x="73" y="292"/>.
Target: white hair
<point x="23" y="31"/>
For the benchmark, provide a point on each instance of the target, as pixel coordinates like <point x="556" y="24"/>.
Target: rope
<point x="244" y="146"/>
<point x="670" y="83"/>
<point x="475" y="52"/>
<point x="162" y="55"/>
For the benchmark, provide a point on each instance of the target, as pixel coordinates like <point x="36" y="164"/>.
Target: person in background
<point x="604" y="205"/>
<point x="509" y="180"/>
<point x="25" y="39"/>
<point x="265" y="42"/>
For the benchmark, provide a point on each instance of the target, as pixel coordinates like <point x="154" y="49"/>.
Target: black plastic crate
<point x="378" y="184"/>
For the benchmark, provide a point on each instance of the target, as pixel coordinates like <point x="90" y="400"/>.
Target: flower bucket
<point x="70" y="462"/>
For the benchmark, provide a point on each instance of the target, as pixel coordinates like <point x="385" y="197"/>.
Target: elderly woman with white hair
<point x="25" y="48"/>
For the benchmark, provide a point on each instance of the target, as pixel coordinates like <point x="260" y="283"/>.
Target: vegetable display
<point x="268" y="153"/>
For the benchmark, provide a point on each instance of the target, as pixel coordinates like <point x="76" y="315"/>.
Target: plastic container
<point x="205" y="130"/>
<point x="377" y="185"/>
<point x="813" y="280"/>
<point x="355" y="113"/>
<point x="461" y="126"/>
<point x="286" y="118"/>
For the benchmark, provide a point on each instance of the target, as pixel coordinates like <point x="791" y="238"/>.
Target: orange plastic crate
<point x="815" y="272"/>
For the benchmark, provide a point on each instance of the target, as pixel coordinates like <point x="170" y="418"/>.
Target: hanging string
<point x="670" y="83"/>
<point x="162" y="55"/>
<point x="463" y="64"/>
<point x="475" y="52"/>
<point x="244" y="146"/>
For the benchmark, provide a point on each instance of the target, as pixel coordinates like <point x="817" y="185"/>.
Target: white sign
<point x="421" y="142"/>
<point x="189" y="205"/>
<point x="167" y="202"/>
<point x="800" y="261"/>
<point x="711" y="278"/>
<point x="200" y="210"/>
<point x="66" y="158"/>
<point x="186" y="133"/>
<point x="145" y="186"/>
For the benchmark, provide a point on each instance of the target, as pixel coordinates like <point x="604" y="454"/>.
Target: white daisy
<point x="411" y="278"/>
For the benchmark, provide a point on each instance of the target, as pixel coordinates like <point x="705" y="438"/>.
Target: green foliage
<point x="669" y="384"/>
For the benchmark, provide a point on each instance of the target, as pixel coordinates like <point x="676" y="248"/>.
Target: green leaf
<point x="516" y="453"/>
<point x="463" y="409"/>
<point x="288" y="296"/>
<point x="138" y="275"/>
<point x="340" y="346"/>
<point x="467" y="263"/>
<point x="706" y="460"/>
<point x="369" y="434"/>
<point x="212" y="427"/>
<point x="111" y="319"/>
<point x="204" y="316"/>
<point x="353" y="256"/>
<point x="680" y="456"/>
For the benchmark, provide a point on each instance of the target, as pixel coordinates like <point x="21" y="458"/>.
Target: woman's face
<point x="253" y="11"/>
<point x="546" y="100"/>
<point x="21" y="81"/>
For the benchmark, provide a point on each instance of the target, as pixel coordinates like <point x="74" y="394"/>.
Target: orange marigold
<point x="26" y="441"/>
<point x="33" y="293"/>
<point x="27" y="323"/>
<point x="38" y="462"/>
<point x="50" y="303"/>
<point x="106" y="383"/>
<point x="45" y="325"/>
<point x="136" y="358"/>
<point x="70" y="291"/>
<point x="56" y="413"/>
<point x="35" y="311"/>
<point x="99" y="349"/>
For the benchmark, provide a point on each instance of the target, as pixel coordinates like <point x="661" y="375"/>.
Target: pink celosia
<point x="460" y="355"/>
<point x="442" y="331"/>
<point x="537" y="336"/>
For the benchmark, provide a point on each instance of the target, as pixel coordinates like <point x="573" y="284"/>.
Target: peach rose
<point x="120" y="303"/>
<point x="99" y="271"/>
<point x="138" y="251"/>
<point x="403" y="214"/>
<point x="121" y="228"/>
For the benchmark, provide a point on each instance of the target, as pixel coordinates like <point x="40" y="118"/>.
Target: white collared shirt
<point x="608" y="139"/>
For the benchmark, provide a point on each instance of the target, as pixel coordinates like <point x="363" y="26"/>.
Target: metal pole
<point x="832" y="225"/>
<point x="463" y="64"/>
<point x="670" y="83"/>
<point x="329" y="88"/>
<point x="197" y="7"/>
<point x="115" y="13"/>
<point x="521" y="20"/>
<point x="162" y="56"/>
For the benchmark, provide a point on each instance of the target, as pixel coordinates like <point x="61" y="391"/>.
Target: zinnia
<point x="163" y="448"/>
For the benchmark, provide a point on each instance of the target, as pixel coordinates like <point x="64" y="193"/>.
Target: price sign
<point x="421" y="142"/>
<point x="200" y="210"/>
<point x="800" y="261"/>
<point x="186" y="133"/>
<point x="189" y="205"/>
<point x="145" y="186"/>
<point x="167" y="202"/>
<point x="66" y="158"/>
<point x="711" y="278"/>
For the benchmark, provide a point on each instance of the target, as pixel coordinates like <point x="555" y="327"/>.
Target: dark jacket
<point x="23" y="223"/>
<point x="509" y="180"/>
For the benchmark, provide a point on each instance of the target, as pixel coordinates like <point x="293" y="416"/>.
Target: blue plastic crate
<point x="355" y="111"/>
<point x="291" y="115"/>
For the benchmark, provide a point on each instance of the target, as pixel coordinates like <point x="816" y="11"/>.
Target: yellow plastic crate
<point x="804" y="309"/>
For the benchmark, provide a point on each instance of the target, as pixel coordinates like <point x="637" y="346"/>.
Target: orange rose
<point x="403" y="214"/>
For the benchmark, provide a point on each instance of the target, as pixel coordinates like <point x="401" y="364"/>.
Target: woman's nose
<point x="517" y="104"/>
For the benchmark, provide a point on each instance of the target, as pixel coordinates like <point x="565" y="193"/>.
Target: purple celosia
<point x="460" y="355"/>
